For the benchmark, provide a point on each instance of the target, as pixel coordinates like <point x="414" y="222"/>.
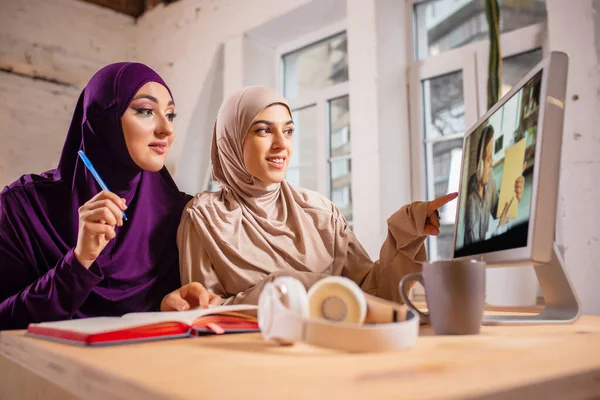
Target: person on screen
<point x="482" y="194"/>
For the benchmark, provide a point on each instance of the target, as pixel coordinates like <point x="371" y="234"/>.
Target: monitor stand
<point x="561" y="302"/>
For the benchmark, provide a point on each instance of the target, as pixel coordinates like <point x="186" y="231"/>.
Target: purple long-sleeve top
<point x="40" y="278"/>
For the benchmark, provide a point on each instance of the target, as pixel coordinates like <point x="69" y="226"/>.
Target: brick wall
<point x="61" y="43"/>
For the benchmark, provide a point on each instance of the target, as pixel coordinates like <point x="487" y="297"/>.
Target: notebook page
<point x="91" y="325"/>
<point x="187" y="317"/>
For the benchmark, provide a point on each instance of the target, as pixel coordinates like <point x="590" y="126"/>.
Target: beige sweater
<point x="401" y="253"/>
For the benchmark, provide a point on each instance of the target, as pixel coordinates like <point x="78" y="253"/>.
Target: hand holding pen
<point x="97" y="220"/>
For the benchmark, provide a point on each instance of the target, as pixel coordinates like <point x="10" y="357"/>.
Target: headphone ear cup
<point x="337" y="299"/>
<point x="479" y="170"/>
<point x="295" y="295"/>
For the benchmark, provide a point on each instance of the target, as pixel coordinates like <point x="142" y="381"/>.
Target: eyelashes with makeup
<point x="147" y="112"/>
<point x="264" y="131"/>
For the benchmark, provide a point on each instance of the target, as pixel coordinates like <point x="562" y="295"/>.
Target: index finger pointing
<point x="440" y="201"/>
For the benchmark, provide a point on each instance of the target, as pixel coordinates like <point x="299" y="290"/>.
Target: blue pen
<point x="91" y="168"/>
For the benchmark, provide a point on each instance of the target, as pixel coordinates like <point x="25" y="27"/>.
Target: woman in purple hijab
<point x="65" y="249"/>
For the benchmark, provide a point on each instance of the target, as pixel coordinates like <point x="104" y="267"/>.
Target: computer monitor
<point x="508" y="193"/>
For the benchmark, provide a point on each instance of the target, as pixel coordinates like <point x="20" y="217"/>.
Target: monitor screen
<point x="499" y="158"/>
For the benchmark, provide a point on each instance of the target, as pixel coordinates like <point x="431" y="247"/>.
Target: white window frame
<point x="319" y="98"/>
<point x="471" y="59"/>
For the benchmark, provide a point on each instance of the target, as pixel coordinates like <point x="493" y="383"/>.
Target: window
<point x="314" y="80"/>
<point x="315" y="67"/>
<point x="442" y="25"/>
<point x="515" y="67"/>
<point x="448" y="80"/>
<point x="302" y="169"/>
<point x="339" y="155"/>
<point x="444" y="113"/>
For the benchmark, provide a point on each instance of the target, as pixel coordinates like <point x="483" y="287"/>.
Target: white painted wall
<point x="378" y="116"/>
<point x="61" y="40"/>
<point x="573" y="28"/>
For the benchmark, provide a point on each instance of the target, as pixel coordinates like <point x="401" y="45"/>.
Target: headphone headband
<point x="279" y="323"/>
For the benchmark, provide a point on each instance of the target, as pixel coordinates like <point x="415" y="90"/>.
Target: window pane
<point x="302" y="169"/>
<point x="446" y="24"/>
<point x="316" y="67"/>
<point x="340" y="164"/>
<point x="339" y="126"/>
<point x="445" y="162"/>
<point x="443" y="105"/>
<point x="516" y="67"/>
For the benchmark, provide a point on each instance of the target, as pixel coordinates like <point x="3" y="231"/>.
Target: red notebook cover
<point x="137" y="327"/>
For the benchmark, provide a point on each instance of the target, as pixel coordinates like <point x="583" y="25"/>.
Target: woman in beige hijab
<point x="258" y="226"/>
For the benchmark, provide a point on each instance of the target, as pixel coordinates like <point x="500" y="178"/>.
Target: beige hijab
<point x="235" y="240"/>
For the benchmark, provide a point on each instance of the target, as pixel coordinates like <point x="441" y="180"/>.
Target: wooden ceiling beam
<point x="134" y="8"/>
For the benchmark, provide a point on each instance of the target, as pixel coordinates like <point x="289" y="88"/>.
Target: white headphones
<point x="332" y="315"/>
<point x="480" y="151"/>
<point x="479" y="170"/>
<point x="480" y="159"/>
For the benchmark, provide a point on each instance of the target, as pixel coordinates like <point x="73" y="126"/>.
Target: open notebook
<point x="137" y="327"/>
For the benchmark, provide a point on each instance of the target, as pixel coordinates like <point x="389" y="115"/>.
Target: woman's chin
<point x="273" y="178"/>
<point x="151" y="166"/>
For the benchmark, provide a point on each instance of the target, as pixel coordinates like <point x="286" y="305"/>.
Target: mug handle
<point x="403" y="286"/>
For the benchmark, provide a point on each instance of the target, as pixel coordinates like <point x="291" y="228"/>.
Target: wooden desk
<point x="502" y="362"/>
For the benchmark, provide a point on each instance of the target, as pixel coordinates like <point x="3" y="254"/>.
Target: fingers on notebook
<point x="188" y="297"/>
<point x="174" y="302"/>
<point x="197" y="295"/>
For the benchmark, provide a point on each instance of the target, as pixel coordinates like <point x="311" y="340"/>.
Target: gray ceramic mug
<point x="455" y="295"/>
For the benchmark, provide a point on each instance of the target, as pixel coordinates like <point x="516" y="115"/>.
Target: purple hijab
<point x="40" y="279"/>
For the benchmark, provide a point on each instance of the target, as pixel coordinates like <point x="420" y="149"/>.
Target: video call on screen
<point x="499" y="155"/>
